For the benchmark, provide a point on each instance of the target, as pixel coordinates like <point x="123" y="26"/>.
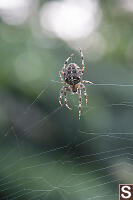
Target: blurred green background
<point x="45" y="151"/>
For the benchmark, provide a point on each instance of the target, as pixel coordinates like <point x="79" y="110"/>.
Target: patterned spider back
<point x="72" y="74"/>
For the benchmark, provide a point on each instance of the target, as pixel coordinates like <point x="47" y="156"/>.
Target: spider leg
<point x="65" y="99"/>
<point x="89" y="82"/>
<point x="80" y="101"/>
<point x="85" y="93"/>
<point x="82" y="58"/>
<point x="61" y="94"/>
<point x="65" y="63"/>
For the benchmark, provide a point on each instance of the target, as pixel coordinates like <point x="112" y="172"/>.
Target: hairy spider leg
<point x="82" y="59"/>
<point x="85" y="93"/>
<point x="65" y="63"/>
<point x="80" y="101"/>
<point x="61" y="94"/>
<point x="65" y="99"/>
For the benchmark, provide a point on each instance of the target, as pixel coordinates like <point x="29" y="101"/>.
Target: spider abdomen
<point x="72" y="74"/>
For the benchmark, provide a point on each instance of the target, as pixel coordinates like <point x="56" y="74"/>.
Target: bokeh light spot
<point x="14" y="12"/>
<point x="70" y="19"/>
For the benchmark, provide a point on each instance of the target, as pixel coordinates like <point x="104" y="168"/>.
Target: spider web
<point x="58" y="170"/>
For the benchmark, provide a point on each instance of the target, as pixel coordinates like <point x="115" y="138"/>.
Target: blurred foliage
<point x="46" y="153"/>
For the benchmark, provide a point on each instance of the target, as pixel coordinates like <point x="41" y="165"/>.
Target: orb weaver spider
<point x="72" y="79"/>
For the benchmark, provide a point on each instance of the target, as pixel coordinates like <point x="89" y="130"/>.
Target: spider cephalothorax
<point x="72" y="79"/>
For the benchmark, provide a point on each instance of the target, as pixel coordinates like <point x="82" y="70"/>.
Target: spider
<point x="72" y="79"/>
